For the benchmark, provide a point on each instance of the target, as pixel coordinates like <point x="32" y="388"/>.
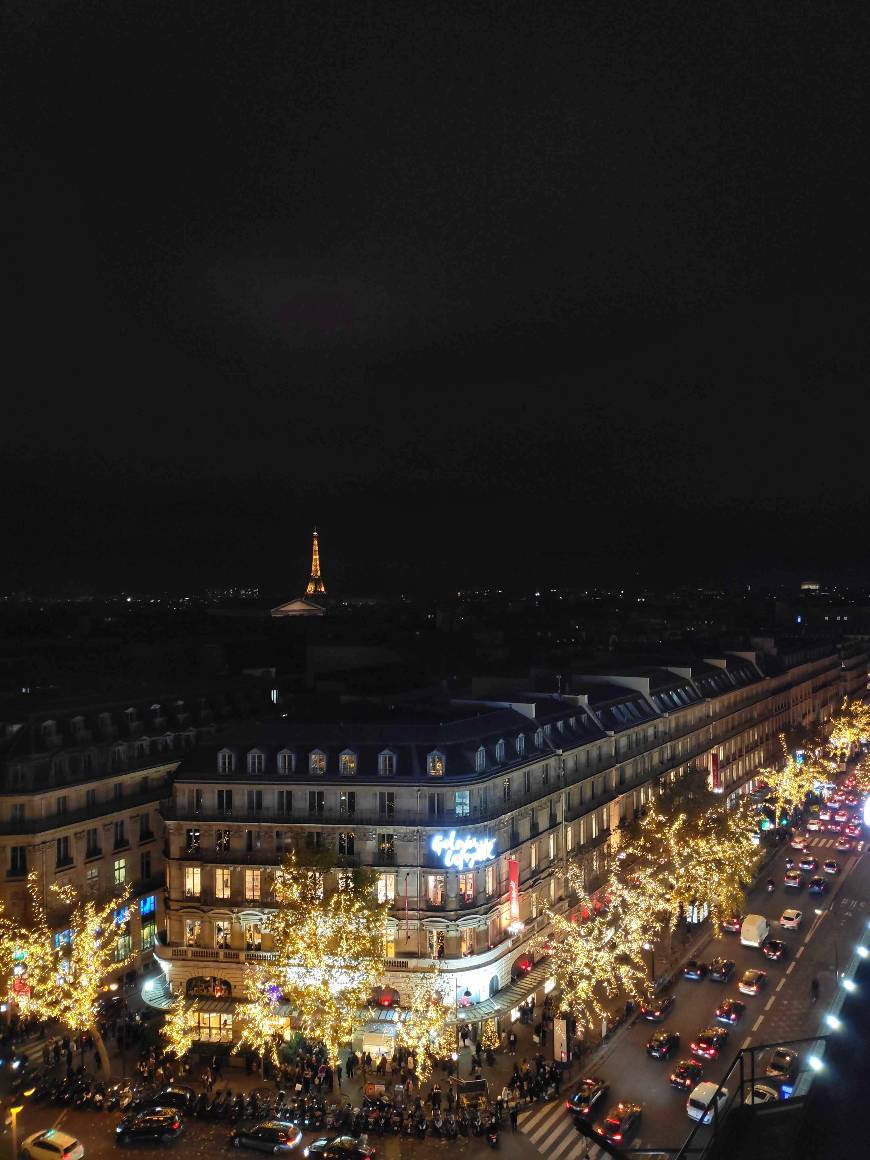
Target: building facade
<point x="81" y="789"/>
<point x="466" y="812"/>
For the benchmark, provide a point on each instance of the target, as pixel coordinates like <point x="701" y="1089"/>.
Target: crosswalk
<point x="830" y="843"/>
<point x="550" y="1128"/>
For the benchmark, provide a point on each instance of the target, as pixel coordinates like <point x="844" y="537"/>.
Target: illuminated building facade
<point x="465" y="811"/>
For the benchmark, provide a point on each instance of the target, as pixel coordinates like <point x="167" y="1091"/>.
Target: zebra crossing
<point x="830" y="843"/>
<point x="550" y="1128"/>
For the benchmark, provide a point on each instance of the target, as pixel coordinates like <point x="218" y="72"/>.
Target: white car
<point x="791" y="919"/>
<point x="762" y="1093"/>
<point x="813" y="825"/>
<point x="700" y="1103"/>
<point x="52" y="1145"/>
<point x="798" y="842"/>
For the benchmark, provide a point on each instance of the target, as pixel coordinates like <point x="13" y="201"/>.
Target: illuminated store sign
<point x="463" y="853"/>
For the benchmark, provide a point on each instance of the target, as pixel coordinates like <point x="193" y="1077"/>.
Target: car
<point x="851" y="799"/>
<point x="729" y="1011"/>
<point x="590" y="1093"/>
<point x="843" y="844"/>
<point x="842" y="816"/>
<point x="807" y="863"/>
<point x="620" y="1121"/>
<point x="817" y="885"/>
<point x="275" y="1136"/>
<point x="798" y="842"/>
<point x="694" y="969"/>
<point x="709" y="1042"/>
<point x="341" y="1148"/>
<point x="825" y="814"/>
<point x="774" y="949"/>
<point x="794" y="880"/>
<point x="853" y="830"/>
<point x="831" y="867"/>
<point x="783" y="1065"/>
<point x="813" y="826"/>
<point x="174" y="1095"/>
<point x="790" y="919"/>
<point x="663" y="1044"/>
<point x="834" y="827"/>
<point x="687" y="1074"/>
<point x="789" y="862"/>
<point x="705" y="1101"/>
<point x="733" y="924"/>
<point x="761" y="1093"/>
<point x="52" y="1145"/>
<point x="163" y="1124"/>
<point x="657" y="1009"/>
<point x="721" y="970"/>
<point x="752" y="982"/>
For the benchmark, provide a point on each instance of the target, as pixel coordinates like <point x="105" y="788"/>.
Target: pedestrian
<point x="512" y="1043"/>
<point x="46" y="1055"/>
<point x="338" y="1074"/>
<point x="514" y="1115"/>
<point x="814" y="990"/>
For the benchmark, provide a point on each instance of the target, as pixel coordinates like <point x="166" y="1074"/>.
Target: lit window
<point x="467" y="883"/>
<point x="386" y="888"/>
<point x="192" y="881"/>
<point x="435" y="765"/>
<point x="551" y="852"/>
<point x="252" y="885"/>
<point x="317" y="762"/>
<point x="148" y="905"/>
<point x="222" y="882"/>
<point x="489" y="880"/>
<point x="506" y="789"/>
<point x="119" y="871"/>
<point x="533" y="855"/>
<point x="226" y="761"/>
<point x="462" y="802"/>
<point x="347" y="763"/>
<point x="346" y="843"/>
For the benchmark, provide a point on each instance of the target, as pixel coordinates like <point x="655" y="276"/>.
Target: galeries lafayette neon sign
<point x="463" y="853"/>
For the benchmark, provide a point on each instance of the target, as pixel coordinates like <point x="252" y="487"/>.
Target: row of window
<point x="17" y="813"/>
<point x="64" y="859"/>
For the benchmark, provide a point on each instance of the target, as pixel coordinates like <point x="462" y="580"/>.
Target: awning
<point x="508" y="997"/>
<point x="211" y="1006"/>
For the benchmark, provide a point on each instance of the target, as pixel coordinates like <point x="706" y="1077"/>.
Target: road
<point x="782" y="1011"/>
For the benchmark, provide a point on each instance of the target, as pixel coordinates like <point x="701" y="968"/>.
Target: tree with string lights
<point x="329" y="935"/>
<point x="179" y="1027"/>
<point x="789" y="783"/>
<point x="68" y="976"/>
<point x="423" y="1020"/>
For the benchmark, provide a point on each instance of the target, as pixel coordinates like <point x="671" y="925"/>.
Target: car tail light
<point x="175" y="1125"/>
<point x="616" y="1136"/>
<point x="568" y="1104"/>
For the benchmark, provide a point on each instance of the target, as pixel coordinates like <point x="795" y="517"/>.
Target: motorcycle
<point x="451" y="1131"/>
<point x="771" y="886"/>
<point x="438" y="1123"/>
<point x="492" y="1133"/>
<point x="421" y="1126"/>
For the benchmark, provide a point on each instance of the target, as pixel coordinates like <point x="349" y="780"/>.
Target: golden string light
<point x="423" y="1023"/>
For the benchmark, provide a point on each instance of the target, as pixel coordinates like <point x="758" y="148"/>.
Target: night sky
<point x="528" y="294"/>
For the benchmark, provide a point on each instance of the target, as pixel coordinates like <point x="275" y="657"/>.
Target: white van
<point x="700" y="1103"/>
<point x="754" y="930"/>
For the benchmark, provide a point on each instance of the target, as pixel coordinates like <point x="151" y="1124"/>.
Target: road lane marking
<point x="769" y="1003"/>
<point x="790" y="968"/>
<point x="563" y="1145"/>
<point x="532" y="1117"/>
<point x="757" y="1023"/>
<point x="780" y="984"/>
<point x="746" y="1042"/>
<point x="799" y="952"/>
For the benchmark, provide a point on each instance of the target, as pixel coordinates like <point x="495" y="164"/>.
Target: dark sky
<point x="526" y="293"/>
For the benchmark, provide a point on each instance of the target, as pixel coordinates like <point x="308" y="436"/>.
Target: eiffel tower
<point x="316" y="587"/>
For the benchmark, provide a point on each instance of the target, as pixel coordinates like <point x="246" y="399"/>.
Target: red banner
<point x="514" y="888"/>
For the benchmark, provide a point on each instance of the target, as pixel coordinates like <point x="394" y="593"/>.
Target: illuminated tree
<point x="258" y="1019"/>
<point x="790" y="783"/>
<point x="489" y="1040"/>
<point x="848" y="726"/>
<point x="596" y="956"/>
<point x="729" y="857"/>
<point x="329" y="937"/>
<point x="179" y="1029"/>
<point x="422" y="1027"/>
<point x="68" y="975"/>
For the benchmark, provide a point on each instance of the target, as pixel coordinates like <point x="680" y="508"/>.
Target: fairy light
<point x="67" y="977"/>
<point x="179" y="1030"/>
<point x="422" y="1026"/>
<point x="259" y="1021"/>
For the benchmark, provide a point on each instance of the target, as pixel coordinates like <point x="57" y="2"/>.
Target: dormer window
<point x="386" y="763"/>
<point x="130" y="714"/>
<point x="48" y="730"/>
<point x="539" y="739"/>
<point x="521" y="744"/>
<point x="256" y="761"/>
<point x="499" y="751"/>
<point x="78" y="726"/>
<point x="226" y="761"/>
<point x="435" y="764"/>
<point x="480" y="760"/>
<point x="286" y="762"/>
<point x="317" y="762"/>
<point x="347" y="763"/>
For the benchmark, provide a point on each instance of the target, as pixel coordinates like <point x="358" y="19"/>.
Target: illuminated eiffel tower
<point x="316" y="587"/>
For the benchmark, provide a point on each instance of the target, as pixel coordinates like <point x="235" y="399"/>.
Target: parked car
<point x="694" y="969"/>
<point x="762" y="1093"/>
<point x="52" y="1145"/>
<point x="275" y="1136"/>
<point x="657" y="1008"/>
<point x="783" y="1065"/>
<point x="341" y="1148"/>
<point x="163" y="1124"/>
<point x="174" y="1095"/>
